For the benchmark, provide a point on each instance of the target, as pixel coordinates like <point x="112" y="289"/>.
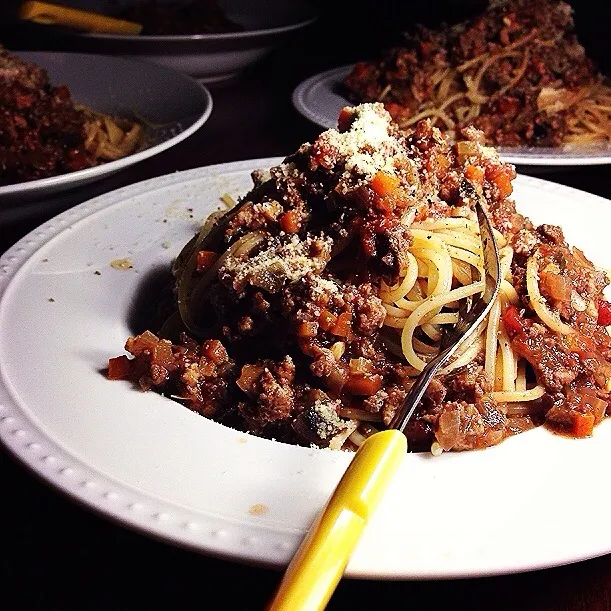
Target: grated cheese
<point x="368" y="146"/>
<point x="323" y="416"/>
<point x="284" y="260"/>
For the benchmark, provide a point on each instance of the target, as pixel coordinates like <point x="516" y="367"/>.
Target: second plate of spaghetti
<point x="160" y="106"/>
<point x="320" y="97"/>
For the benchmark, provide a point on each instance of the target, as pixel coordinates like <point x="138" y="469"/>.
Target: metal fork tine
<point x="468" y="320"/>
<point x="492" y="264"/>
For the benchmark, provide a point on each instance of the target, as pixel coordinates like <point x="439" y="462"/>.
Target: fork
<point x="321" y="559"/>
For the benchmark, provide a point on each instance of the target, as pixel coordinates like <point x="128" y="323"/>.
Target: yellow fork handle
<point x="320" y="561"/>
<point x="54" y="14"/>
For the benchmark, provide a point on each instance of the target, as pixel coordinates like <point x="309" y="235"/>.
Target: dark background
<point x="349" y="31"/>
<point x="55" y="554"/>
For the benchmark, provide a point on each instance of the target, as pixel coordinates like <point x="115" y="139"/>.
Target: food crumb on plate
<point x="121" y="264"/>
<point x="258" y="509"/>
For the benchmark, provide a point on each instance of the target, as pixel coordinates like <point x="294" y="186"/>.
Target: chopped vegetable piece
<point x="384" y="184"/>
<point x="119" y="368"/>
<point x="512" y="320"/>
<point x="475" y="174"/>
<point x="583" y="425"/>
<point x="604" y="313"/>
<point x="289" y="221"/>
<point x="205" y="259"/>
<point x="359" y="384"/>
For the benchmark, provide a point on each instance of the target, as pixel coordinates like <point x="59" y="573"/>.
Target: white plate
<point x="320" y="99"/>
<point x="175" y="103"/>
<point x="210" y="58"/>
<point x="153" y="465"/>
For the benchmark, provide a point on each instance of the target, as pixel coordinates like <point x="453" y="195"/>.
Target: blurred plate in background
<point x="209" y="57"/>
<point x="171" y="105"/>
<point x="320" y="98"/>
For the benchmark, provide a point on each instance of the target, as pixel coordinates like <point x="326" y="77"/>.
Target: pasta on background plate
<point x="516" y="71"/>
<point x="304" y="313"/>
<point x="43" y="133"/>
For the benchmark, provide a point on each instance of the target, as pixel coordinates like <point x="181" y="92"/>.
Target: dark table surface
<point x="59" y="555"/>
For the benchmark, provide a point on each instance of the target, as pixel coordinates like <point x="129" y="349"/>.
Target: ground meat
<point x="472" y="419"/>
<point x="42" y="133"/>
<point x="510" y="109"/>
<point x="524" y="243"/>
<point x="369" y="313"/>
<point x="555" y="365"/>
<point x="252" y="217"/>
<point x="551" y="234"/>
<point x="201" y="375"/>
<point x="386" y="402"/>
<point x="577" y="411"/>
<point x="272" y="389"/>
<point x="286" y="313"/>
<point x="567" y="279"/>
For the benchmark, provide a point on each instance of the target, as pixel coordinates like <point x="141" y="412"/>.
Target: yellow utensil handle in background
<point x="53" y="14"/>
<point x="320" y="561"/>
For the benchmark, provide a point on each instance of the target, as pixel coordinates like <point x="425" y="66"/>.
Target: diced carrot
<point x="384" y="183"/>
<point x="397" y="199"/>
<point x="501" y="176"/>
<point x="326" y="320"/>
<point x="307" y="329"/>
<point x="503" y="184"/>
<point x="162" y="354"/>
<point x="207" y="367"/>
<point x="443" y="163"/>
<point x="205" y="258"/>
<point x="215" y="351"/>
<point x="438" y="164"/>
<point x="119" y="368"/>
<point x="142" y="344"/>
<point x="583" y="424"/>
<point x="359" y="384"/>
<point x="475" y="174"/>
<point x="289" y="221"/>
<point x="345" y="116"/>
<point x="342" y="326"/>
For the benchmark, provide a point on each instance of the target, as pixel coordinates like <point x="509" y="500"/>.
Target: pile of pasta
<point x="109" y="138"/>
<point x="515" y="71"/>
<point x="306" y="311"/>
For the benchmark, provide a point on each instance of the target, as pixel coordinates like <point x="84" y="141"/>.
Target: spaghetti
<point x="446" y="253"/>
<point x="108" y="138"/>
<point x="44" y="133"/>
<point x="305" y="311"/>
<point x="516" y="72"/>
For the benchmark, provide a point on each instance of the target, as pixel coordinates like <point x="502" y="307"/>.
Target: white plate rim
<point x="258" y="544"/>
<point x="253" y="35"/>
<point x="87" y="174"/>
<point x="307" y="15"/>
<point x="321" y="116"/>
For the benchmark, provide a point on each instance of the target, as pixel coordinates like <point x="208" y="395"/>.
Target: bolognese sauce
<point x="41" y="132"/>
<point x="305" y="313"/>
<point x="44" y="133"/>
<point x="516" y="71"/>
